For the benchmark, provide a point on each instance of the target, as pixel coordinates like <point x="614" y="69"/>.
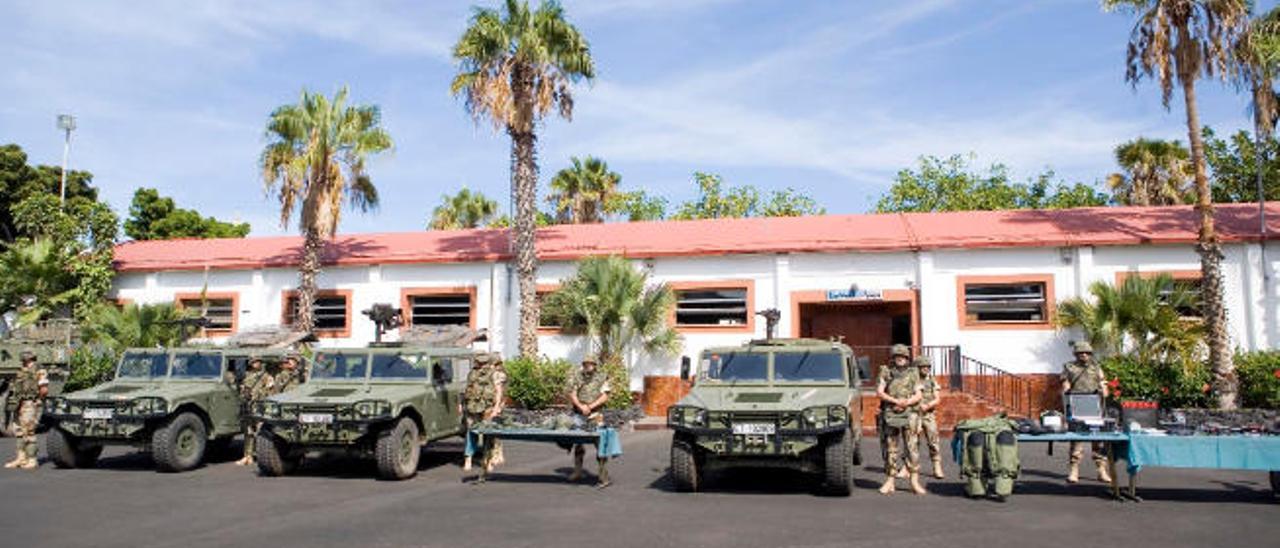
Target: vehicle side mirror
<point x="442" y="374"/>
<point x="686" y="365"/>
<point x="864" y="367"/>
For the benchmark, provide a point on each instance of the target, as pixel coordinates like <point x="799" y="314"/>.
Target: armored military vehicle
<point x="174" y="403"/>
<point x="52" y="342"/>
<point x="384" y="402"/>
<point x="770" y="403"/>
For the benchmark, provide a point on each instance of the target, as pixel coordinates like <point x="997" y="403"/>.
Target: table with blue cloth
<point x="606" y="440"/>
<point x="1115" y="442"/>
<point x="1229" y="452"/>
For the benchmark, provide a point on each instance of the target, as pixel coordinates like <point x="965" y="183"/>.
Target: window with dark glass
<point x="711" y="307"/>
<point x="454" y="309"/>
<point x="330" y="312"/>
<point x="1005" y="302"/>
<point x="220" y="312"/>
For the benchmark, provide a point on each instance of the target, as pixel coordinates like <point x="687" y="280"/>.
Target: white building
<point x="986" y="282"/>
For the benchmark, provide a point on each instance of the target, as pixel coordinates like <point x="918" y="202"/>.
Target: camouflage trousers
<point x="1099" y="453"/>
<point x="249" y="428"/>
<point x="24" y="428"/>
<point x="928" y="430"/>
<point x="897" y="439"/>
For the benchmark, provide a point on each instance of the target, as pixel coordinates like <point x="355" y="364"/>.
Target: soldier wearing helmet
<point x="900" y="393"/>
<point x="256" y="386"/>
<point x="1085" y="376"/>
<point x="588" y="392"/>
<point x="482" y="400"/>
<point x="928" y="411"/>
<point x="289" y="375"/>
<point x="29" y="388"/>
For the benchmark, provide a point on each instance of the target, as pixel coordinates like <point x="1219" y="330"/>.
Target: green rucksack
<point x="988" y="450"/>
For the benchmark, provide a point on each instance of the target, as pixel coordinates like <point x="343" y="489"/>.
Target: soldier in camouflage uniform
<point x="289" y="376"/>
<point x="1085" y="376"/>
<point x="482" y="401"/>
<point x="932" y="393"/>
<point x="900" y="393"/>
<point x="588" y="391"/>
<point x="29" y="388"/>
<point x="256" y="386"/>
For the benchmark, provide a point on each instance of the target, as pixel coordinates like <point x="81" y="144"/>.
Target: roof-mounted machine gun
<point x="385" y="318"/>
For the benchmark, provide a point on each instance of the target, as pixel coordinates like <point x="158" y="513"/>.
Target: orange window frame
<point x="543" y="290"/>
<point x="1050" y="305"/>
<point x="407" y="293"/>
<point x="208" y="332"/>
<point x="748" y="327"/>
<point x="322" y="333"/>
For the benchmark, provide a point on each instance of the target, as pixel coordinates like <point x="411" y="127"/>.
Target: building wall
<point x="931" y="276"/>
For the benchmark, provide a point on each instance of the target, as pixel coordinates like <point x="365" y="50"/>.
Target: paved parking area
<point x="336" y="502"/>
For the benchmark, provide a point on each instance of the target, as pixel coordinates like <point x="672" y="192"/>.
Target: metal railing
<point x="960" y="373"/>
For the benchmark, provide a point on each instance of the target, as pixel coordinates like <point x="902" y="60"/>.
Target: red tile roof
<point x="1100" y="226"/>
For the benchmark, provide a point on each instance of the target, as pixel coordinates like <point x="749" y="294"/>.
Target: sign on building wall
<point x="855" y="294"/>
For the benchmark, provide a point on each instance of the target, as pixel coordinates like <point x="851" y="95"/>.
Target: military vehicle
<point x="175" y="403"/>
<point x="52" y="342"/>
<point x="384" y="402"/>
<point x="770" y="403"/>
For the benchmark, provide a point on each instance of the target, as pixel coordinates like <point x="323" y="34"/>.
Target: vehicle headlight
<point x="687" y="416"/>
<point x="148" y="406"/>
<point x="838" y="413"/>
<point x="57" y="405"/>
<point x="824" y="416"/>
<point x="268" y="409"/>
<point x="372" y="408"/>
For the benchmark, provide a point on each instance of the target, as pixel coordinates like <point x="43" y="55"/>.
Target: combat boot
<point x="915" y="484"/>
<point x="577" y="467"/>
<point x="937" y="468"/>
<point x="466" y="463"/>
<point x="16" y="462"/>
<point x="29" y="464"/>
<point x="1073" y="475"/>
<point x="889" y="487"/>
<point x="1104" y="475"/>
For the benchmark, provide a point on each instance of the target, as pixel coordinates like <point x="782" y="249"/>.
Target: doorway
<point x="870" y="328"/>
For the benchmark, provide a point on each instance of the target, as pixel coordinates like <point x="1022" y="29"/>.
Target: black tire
<point x="398" y="451"/>
<point x="179" y="445"/>
<point x="685" y="469"/>
<point x="273" y="456"/>
<point x="838" y="464"/>
<point x="68" y="452"/>
<point x="1275" y="483"/>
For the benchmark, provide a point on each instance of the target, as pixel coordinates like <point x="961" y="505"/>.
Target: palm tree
<point x="314" y="161"/>
<point x="463" y="210"/>
<point x="37" y="281"/>
<point x="135" y="326"/>
<point x="609" y="300"/>
<point x="1142" y="315"/>
<point x="585" y="192"/>
<point x="1158" y="172"/>
<point x="1178" y="41"/>
<point x="516" y="66"/>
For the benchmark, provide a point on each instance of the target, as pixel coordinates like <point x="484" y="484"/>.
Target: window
<point x="738" y="367"/>
<point x="808" y="366"/>
<point x="332" y="312"/>
<point x="443" y="309"/>
<point x="393" y="366"/>
<point x="338" y="366"/>
<point x="712" y="307"/>
<point x="220" y="308"/>
<point x="196" y="365"/>
<point x="1187" y="282"/>
<point x="547" y="323"/>
<point x="1006" y="302"/>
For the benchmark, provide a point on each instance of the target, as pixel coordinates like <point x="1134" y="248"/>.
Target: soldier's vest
<point x="929" y="387"/>
<point x="256" y="386"/>
<point x="901" y="385"/>
<point x="26" y="385"/>
<point x="481" y="392"/>
<point x="590" y="386"/>
<point x="1083" y="378"/>
<point x="285" y="380"/>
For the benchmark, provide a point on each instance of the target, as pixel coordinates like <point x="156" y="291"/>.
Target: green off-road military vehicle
<point x="52" y="342"/>
<point x="174" y="403"/>
<point x="381" y="402"/>
<point x="770" y="403"/>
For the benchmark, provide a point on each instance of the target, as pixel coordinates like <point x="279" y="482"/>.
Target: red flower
<point x="1277" y="373"/>
<point x="1205" y="388"/>
<point x="1164" y="389"/>
<point x="1114" y="383"/>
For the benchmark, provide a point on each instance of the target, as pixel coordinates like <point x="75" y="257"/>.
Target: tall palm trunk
<point x="524" y="193"/>
<point x="312" y="244"/>
<point x="1215" y="317"/>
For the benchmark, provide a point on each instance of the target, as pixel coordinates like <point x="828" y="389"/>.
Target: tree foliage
<point x="155" y="217"/>
<point x="719" y="201"/>
<point x="20" y="180"/>
<point x="953" y="184"/>
<point x="1142" y="316"/>
<point x="1233" y="163"/>
<point x="135" y="326"/>
<point x="1156" y="172"/>
<point x="638" y="205"/>
<point x="463" y="210"/>
<point x="584" y="192"/>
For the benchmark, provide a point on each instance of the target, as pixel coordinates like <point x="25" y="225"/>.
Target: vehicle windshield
<point x="339" y="366"/>
<point x="808" y="366"/>
<point x="142" y="365"/>
<point x="739" y="367"/>
<point x="407" y="366"/>
<point x="196" y="365"/>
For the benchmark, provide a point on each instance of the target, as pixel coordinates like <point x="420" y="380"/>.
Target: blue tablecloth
<point x="607" y="441"/>
<point x="1227" y="452"/>
<point x="1110" y="437"/>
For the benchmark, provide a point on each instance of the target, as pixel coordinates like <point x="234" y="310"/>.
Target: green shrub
<point x="1259" y="374"/>
<point x="620" y="382"/>
<point x="1173" y="385"/>
<point x="537" y="383"/>
<point x="90" y="366"/>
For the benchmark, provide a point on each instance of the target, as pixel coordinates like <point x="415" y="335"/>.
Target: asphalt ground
<point x="337" y="502"/>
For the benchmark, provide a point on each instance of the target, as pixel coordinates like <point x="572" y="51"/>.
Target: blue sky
<point x="831" y="98"/>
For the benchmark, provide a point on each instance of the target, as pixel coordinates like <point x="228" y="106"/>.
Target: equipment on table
<point x="1086" y="414"/>
<point x="1053" y="421"/>
<point x="989" y="455"/>
<point x="1139" y="415"/>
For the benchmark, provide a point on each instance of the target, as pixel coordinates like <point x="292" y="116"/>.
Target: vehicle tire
<point x="838" y="465"/>
<point x="685" y="469"/>
<point x="179" y="445"/>
<point x="68" y="452"/>
<point x="398" y="451"/>
<point x="273" y="458"/>
<point x="1275" y="483"/>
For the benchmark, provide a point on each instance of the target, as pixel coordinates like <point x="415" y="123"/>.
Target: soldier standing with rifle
<point x="30" y="387"/>
<point x="900" y="393"/>
<point x="256" y="386"/>
<point x="482" y="400"/>
<point x="1085" y="376"/>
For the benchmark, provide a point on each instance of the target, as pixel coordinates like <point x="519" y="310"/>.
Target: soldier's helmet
<point x="590" y="360"/>
<point x="484" y="358"/>
<point x="27" y="356"/>
<point x="922" y="362"/>
<point x="1082" y="347"/>
<point x="899" y="350"/>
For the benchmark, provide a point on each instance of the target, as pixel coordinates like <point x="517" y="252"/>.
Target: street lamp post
<point x="66" y="123"/>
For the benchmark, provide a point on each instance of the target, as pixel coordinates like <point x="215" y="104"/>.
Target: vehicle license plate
<point x="753" y="429"/>
<point x="98" y="414"/>
<point x="315" y="418"/>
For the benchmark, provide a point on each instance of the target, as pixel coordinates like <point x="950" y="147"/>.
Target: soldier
<point x="482" y="401"/>
<point x="29" y="388"/>
<point x="1085" y="376"/>
<point x="257" y="384"/>
<point x="588" y="392"/>
<point x="289" y="375"/>
<point x="900" y="393"/>
<point x="932" y="396"/>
